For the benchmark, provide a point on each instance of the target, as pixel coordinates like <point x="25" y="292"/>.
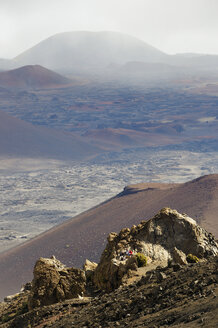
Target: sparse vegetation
<point x="17" y="309"/>
<point x="141" y="260"/>
<point x="5" y="318"/>
<point x="23" y="309"/>
<point x="192" y="258"/>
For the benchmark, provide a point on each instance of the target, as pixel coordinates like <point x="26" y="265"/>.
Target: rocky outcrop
<point x="168" y="281"/>
<point x="10" y="298"/>
<point x="167" y="237"/>
<point x="89" y="268"/>
<point x="175" y="296"/>
<point x="111" y="270"/>
<point x="53" y="282"/>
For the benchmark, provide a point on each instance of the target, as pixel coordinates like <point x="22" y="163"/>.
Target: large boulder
<point x="53" y="282"/>
<point x="168" y="237"/>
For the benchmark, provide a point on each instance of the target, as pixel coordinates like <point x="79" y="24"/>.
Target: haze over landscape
<point x="172" y="26"/>
<point x="108" y="113"/>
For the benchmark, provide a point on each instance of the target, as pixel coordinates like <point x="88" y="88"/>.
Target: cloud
<point x="171" y="25"/>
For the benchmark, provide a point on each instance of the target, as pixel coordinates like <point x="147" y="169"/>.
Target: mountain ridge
<point x="32" y="77"/>
<point x="88" y="49"/>
<point x="89" y="52"/>
<point x="92" y="52"/>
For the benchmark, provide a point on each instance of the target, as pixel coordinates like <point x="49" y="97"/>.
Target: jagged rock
<point x="26" y="287"/>
<point x="53" y="282"/>
<point x="89" y="268"/>
<point x="124" y="233"/>
<point x="113" y="271"/>
<point x="178" y="256"/>
<point x="167" y="237"/>
<point x="161" y="276"/>
<point x="111" y="236"/>
<point x="10" y="298"/>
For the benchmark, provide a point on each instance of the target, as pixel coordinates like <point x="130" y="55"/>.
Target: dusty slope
<point x="21" y="139"/>
<point x="110" y="138"/>
<point x="32" y="76"/>
<point x="84" y="236"/>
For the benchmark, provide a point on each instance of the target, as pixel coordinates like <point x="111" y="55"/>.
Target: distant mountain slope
<point x="32" y="76"/>
<point x="22" y="139"/>
<point x="5" y="64"/>
<point x="85" y="235"/>
<point x="89" y="50"/>
<point x="195" y="61"/>
<point x="148" y="71"/>
<point x="111" y="139"/>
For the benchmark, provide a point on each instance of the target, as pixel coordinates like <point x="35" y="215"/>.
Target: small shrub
<point x="141" y="260"/>
<point x="23" y="309"/>
<point x="5" y="318"/>
<point x="192" y="258"/>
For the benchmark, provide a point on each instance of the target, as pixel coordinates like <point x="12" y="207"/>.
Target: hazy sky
<point x="171" y="25"/>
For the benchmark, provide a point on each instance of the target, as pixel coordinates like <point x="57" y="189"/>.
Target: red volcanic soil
<point x="85" y="235"/>
<point x="21" y="139"/>
<point x="32" y="76"/>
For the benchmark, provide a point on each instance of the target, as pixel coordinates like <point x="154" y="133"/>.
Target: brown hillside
<point x="110" y="138"/>
<point x="21" y="139"/>
<point x="85" y="235"/>
<point x="32" y="76"/>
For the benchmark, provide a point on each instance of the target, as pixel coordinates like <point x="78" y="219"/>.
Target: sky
<point x="173" y="26"/>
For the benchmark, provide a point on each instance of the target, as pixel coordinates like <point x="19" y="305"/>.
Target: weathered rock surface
<point x="168" y="237"/>
<point x="53" y="282"/>
<point x="89" y="268"/>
